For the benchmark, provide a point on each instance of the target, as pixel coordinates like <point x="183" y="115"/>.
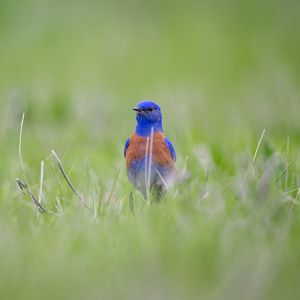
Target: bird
<point x="150" y="156"/>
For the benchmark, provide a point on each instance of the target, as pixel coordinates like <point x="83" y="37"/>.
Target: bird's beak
<point x="137" y="109"/>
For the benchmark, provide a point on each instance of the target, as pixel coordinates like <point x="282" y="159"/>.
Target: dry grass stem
<point x="26" y="190"/>
<point x="258" y="146"/>
<point x="80" y="196"/>
<point x="25" y="186"/>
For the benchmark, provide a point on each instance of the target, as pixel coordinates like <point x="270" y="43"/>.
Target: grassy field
<point x="227" y="76"/>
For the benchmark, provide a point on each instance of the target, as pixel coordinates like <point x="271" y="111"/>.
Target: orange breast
<point x="160" y="152"/>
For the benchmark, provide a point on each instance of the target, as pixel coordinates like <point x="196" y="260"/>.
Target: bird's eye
<point x="148" y="109"/>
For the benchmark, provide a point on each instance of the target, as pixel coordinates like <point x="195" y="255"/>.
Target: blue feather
<point x="126" y="146"/>
<point x="171" y="148"/>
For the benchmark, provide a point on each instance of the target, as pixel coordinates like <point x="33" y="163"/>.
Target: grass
<point x="227" y="78"/>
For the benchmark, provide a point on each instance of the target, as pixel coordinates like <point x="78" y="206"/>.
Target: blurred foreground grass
<point x="222" y="72"/>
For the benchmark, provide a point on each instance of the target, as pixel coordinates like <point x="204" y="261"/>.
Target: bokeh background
<point x="222" y="72"/>
<point x="214" y="65"/>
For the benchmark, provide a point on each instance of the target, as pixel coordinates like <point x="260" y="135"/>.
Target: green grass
<point x="222" y="73"/>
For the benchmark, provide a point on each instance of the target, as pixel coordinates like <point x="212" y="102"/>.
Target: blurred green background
<point x="222" y="71"/>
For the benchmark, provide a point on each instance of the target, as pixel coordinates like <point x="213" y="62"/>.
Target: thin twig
<point x="258" y="145"/>
<point x="20" y="144"/>
<point x="25" y="186"/>
<point x="162" y="179"/>
<point x="150" y="159"/>
<point x="80" y="196"/>
<point x="146" y="166"/>
<point x="26" y="190"/>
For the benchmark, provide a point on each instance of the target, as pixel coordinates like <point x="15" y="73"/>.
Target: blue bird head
<point x="148" y="116"/>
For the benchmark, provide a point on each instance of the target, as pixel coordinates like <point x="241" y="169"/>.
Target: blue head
<point x="148" y="115"/>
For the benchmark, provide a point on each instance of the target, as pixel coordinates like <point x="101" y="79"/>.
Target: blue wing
<point x="171" y="148"/>
<point x="126" y="146"/>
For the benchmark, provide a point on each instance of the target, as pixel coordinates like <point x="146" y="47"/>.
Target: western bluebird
<point x="150" y="156"/>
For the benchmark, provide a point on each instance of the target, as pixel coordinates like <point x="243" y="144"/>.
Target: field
<point x="227" y="76"/>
